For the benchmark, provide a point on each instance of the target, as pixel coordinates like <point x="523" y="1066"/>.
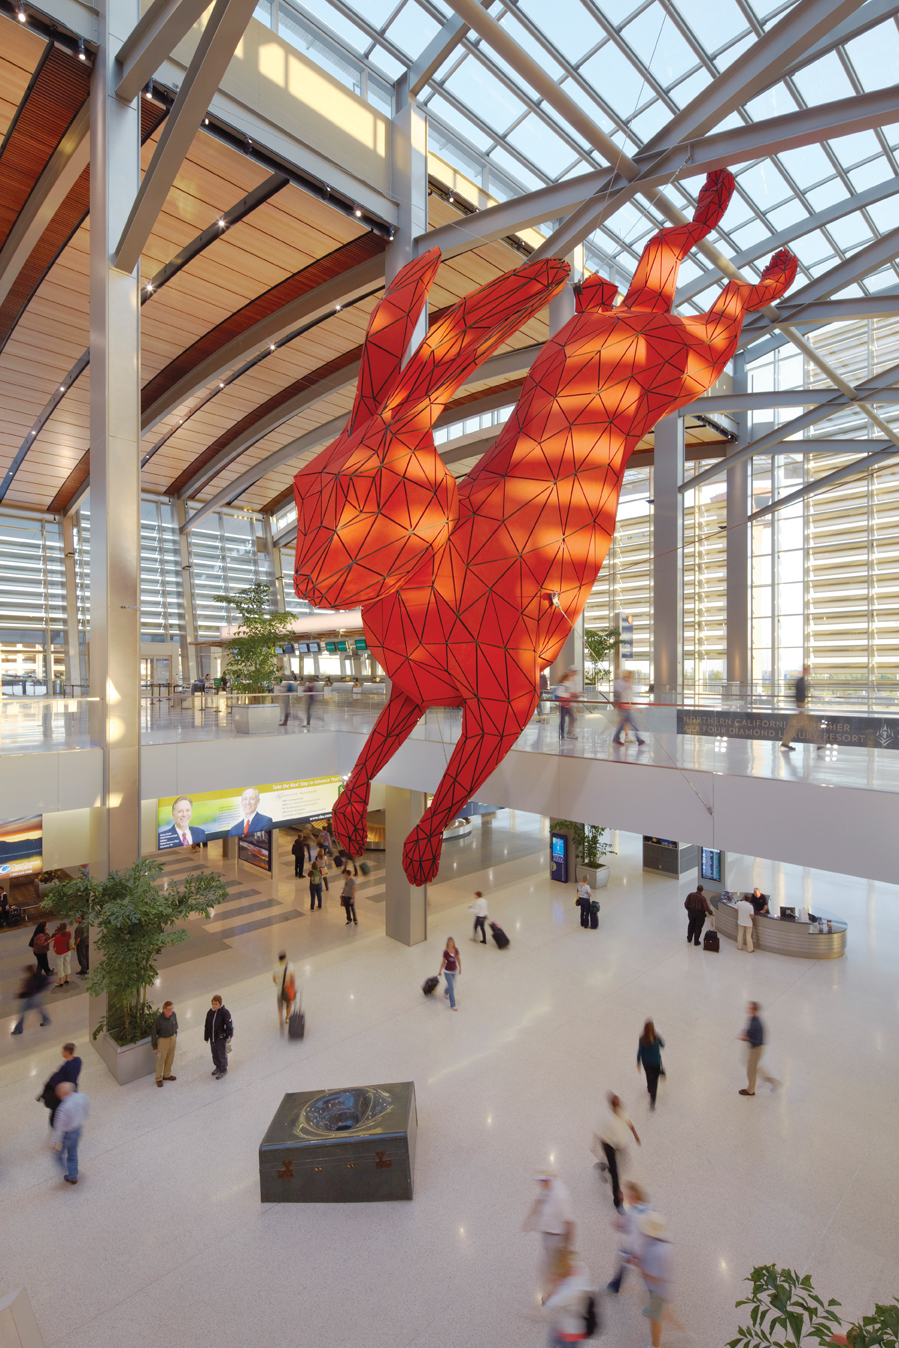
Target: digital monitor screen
<point x="558" y="846"/>
<point x="331" y="646"/>
<point x="361" y="644"/>
<point x="711" y="864"/>
<point x="302" y="648"/>
<point x="341" y="645"/>
<point x="315" y="647"/>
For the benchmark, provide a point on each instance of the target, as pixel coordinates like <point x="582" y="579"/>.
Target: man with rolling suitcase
<point x="285" y="984"/>
<point x="697" y="906"/>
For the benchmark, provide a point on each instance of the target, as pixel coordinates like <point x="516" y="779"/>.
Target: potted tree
<point x="590" y="846"/>
<point x="253" y="661"/>
<point x="598" y="646"/>
<point x="787" y="1313"/>
<point x="134" y="919"/>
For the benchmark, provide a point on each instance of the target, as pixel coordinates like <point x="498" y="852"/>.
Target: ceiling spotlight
<point x="149" y="288"/>
<point x="451" y="197"/>
<point x="205" y="121"/>
<point x="221" y="224"/>
<point x="221" y="385"/>
<point x="357" y="211"/>
<point x="272" y="347"/>
<point x="82" y="54"/>
<point x="62" y="388"/>
<point x="20" y="14"/>
<point x="148" y="92"/>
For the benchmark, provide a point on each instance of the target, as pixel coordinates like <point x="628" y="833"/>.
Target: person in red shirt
<point x="62" y="948"/>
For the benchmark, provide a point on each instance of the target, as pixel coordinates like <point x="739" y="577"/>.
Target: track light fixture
<point x="82" y="54"/>
<point x="148" y="92"/>
<point x="357" y="211"/>
<point x="20" y="14"/>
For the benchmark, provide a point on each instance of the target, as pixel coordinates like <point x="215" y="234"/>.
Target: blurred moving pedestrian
<point x="623" y="700"/>
<point x="636" y="1203"/>
<point x="40" y="945"/>
<point x="754" y="1037"/>
<point x="566" y="1305"/>
<point x="218" y="1034"/>
<point x="285" y="982"/>
<point x="655" y="1265"/>
<point x="566" y="696"/>
<point x="450" y="967"/>
<point x="81" y="937"/>
<point x="698" y="909"/>
<point x="551" y="1214"/>
<point x="67" y="1127"/>
<point x="70" y="1070"/>
<point x="4" y="908"/>
<point x="33" y="984"/>
<point x="801" y="720"/>
<point x="348" y="898"/>
<point x="164" y="1038"/>
<point x="612" y="1136"/>
<point x="308" y="694"/>
<point x="649" y="1056"/>
<point x="479" y="908"/>
<point x="584" y="897"/>
<point x="63" y="946"/>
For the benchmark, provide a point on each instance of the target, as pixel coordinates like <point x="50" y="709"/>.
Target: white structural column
<point x="115" y="455"/>
<point x="409" y="183"/>
<point x="188" y="641"/>
<point x="668" y="560"/>
<point x="737" y="584"/>
<point x="561" y="309"/>
<point x="406" y="906"/>
<point x="73" y="643"/>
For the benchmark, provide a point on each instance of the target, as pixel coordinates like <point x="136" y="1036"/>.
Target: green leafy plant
<point x="787" y="1313"/>
<point x="589" y="840"/>
<point x="252" y="662"/>
<point x="136" y="920"/>
<point x="598" y="646"/>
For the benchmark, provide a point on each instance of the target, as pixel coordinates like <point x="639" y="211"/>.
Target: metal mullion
<point x="491" y="133"/>
<point x="859" y="88"/>
<point x="625" y="48"/>
<point x="375" y="35"/>
<point x="691" y="40"/>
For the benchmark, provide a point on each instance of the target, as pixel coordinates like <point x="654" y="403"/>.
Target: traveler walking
<point x="649" y="1056"/>
<point x="566" y="696"/>
<point x="552" y="1216"/>
<point x="324" y="841"/>
<point x="745" y="914"/>
<point x="81" y="937"/>
<point x="801" y="720"/>
<point x="62" y="949"/>
<point x="584" y="896"/>
<point x="164" y="1038"/>
<point x="612" y="1137"/>
<point x="299" y="856"/>
<point x="566" y="1305"/>
<point x="70" y="1070"/>
<point x="285" y="688"/>
<point x="636" y="1204"/>
<point x="754" y="1037"/>
<point x="285" y="982"/>
<point x="309" y="694"/>
<point x="218" y="1034"/>
<point x="40" y="945"/>
<point x="33" y="984"/>
<point x="479" y="908"/>
<point x="348" y="898"/>
<point x="450" y="967"/>
<point x="623" y="699"/>
<point x="698" y="909"/>
<point x="4" y="908"/>
<point x="655" y="1265"/>
<point x="316" y="878"/>
<point x="67" y="1127"/>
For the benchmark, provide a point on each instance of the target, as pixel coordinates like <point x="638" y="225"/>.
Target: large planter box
<point x="129" y="1063"/>
<point x="597" y="878"/>
<point x="256" y="718"/>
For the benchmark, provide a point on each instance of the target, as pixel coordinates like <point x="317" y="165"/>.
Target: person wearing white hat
<point x="655" y="1265"/>
<point x="551" y="1214"/>
<point x="566" y="1305"/>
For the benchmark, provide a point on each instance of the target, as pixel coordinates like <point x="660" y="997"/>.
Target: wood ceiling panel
<point x="20" y="51"/>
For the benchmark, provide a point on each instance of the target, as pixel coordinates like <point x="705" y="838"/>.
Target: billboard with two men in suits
<point x="185" y="821"/>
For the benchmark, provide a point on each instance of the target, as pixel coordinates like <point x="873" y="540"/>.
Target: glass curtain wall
<point x="32" y="603"/>
<point x="625" y="581"/>
<point x="161" y="591"/>
<point x="227" y="553"/>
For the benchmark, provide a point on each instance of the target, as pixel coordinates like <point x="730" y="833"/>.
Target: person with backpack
<point x="285" y="983"/>
<point x="570" y="1306"/>
<point x="40" y="944"/>
<point x="316" y="879"/>
<point x="63" y="946"/>
<point x="348" y="898"/>
<point x="649" y="1056"/>
<point x="29" y="993"/>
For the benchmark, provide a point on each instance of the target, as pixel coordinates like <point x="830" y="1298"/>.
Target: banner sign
<point x="238" y="812"/>
<point x="21" y="846"/>
<point x="862" y="732"/>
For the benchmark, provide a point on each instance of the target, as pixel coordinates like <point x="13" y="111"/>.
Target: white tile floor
<point x="165" y="1242"/>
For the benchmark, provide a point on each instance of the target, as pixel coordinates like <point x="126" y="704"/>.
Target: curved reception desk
<point x="780" y="936"/>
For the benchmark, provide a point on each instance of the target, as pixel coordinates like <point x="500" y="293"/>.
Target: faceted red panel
<point x="469" y="591"/>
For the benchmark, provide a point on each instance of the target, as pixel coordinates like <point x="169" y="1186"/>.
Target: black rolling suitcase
<point x="296" y="1025"/>
<point x="429" y="985"/>
<point x="710" y="941"/>
<point x="499" y="936"/>
<point x="594" y="915"/>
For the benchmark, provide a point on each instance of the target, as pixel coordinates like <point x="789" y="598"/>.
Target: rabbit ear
<point x="655" y="279"/>
<point x="461" y="339"/>
<point x="390" y="330"/>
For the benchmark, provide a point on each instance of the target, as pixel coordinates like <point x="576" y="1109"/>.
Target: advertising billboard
<point x="256" y="850"/>
<point x="21" y="846"/>
<point x="240" y="811"/>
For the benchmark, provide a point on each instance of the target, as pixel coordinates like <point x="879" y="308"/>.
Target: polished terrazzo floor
<point x="164" y="1242"/>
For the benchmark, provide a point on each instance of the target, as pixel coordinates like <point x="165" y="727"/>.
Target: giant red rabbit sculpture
<point x="468" y="591"/>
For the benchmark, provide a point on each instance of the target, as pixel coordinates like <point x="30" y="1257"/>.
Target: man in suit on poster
<point x="179" y="833"/>
<point x="252" y="821"/>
